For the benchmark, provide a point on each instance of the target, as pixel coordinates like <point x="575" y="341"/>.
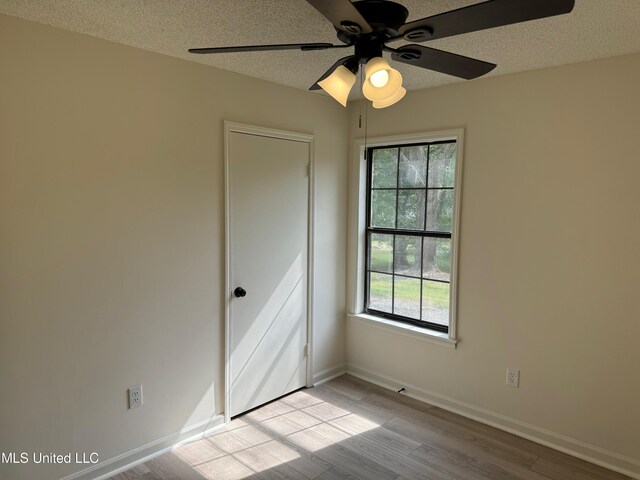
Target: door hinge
<point x="308" y="169"/>
<point x="306" y="350"/>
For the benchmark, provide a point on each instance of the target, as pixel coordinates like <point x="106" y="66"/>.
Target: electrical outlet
<point x="135" y="396"/>
<point x="513" y="378"/>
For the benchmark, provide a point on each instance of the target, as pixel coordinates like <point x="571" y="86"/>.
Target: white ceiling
<point x="595" y="29"/>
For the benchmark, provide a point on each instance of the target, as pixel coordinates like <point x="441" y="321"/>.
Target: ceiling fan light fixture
<point x="376" y="90"/>
<point x="374" y="65"/>
<point x="395" y="98"/>
<point x="339" y="84"/>
<point x="368" y="26"/>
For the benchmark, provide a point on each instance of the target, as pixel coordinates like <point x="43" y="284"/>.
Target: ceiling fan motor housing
<point x="383" y="16"/>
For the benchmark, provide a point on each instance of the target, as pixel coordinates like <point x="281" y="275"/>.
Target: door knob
<point x="239" y="292"/>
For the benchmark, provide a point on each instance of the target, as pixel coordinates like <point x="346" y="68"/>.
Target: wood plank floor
<point x="349" y="429"/>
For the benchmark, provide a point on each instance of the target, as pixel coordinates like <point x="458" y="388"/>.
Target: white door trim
<point x="232" y="127"/>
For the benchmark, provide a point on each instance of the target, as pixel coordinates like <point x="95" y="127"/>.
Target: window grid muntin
<point x="396" y="231"/>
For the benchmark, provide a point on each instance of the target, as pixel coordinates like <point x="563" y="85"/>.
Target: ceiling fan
<point x="369" y="26"/>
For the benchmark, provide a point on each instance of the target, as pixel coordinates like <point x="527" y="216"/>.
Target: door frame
<point x="233" y="127"/>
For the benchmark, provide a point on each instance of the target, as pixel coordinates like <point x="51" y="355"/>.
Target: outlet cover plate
<point x="135" y="396"/>
<point x="513" y="378"/>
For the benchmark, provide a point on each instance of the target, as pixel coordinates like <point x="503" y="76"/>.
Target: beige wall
<point x="549" y="260"/>
<point x="111" y="243"/>
<point x="111" y="237"/>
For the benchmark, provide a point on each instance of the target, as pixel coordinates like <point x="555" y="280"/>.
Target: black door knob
<point x="239" y="292"/>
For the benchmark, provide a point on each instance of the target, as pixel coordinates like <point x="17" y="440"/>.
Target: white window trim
<point x="357" y="237"/>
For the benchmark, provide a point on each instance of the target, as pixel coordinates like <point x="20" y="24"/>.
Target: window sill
<point x="404" y="329"/>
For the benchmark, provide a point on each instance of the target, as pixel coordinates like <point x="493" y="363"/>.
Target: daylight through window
<point x="410" y="207"/>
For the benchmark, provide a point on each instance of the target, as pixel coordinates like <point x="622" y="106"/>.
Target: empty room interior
<point x="319" y="239"/>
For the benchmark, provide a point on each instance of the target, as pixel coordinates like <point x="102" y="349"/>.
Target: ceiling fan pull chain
<point x="360" y="116"/>
<point x="366" y="118"/>
<point x="366" y="124"/>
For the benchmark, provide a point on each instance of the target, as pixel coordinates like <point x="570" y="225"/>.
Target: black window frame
<point x="369" y="230"/>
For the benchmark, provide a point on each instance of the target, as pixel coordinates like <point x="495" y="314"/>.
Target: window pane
<point x="381" y="253"/>
<point x="436" y="255"/>
<point x="407" y="255"/>
<point x="439" y="210"/>
<point x="413" y="166"/>
<point x="411" y="209"/>
<point x="410" y="193"/>
<point x="442" y="164"/>
<point x="385" y="168"/>
<point x="435" y="302"/>
<point x="383" y="208"/>
<point x="407" y="297"/>
<point x="380" y="291"/>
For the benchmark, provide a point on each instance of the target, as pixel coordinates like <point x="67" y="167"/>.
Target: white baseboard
<point x="329" y="374"/>
<point x="577" y="448"/>
<point x="130" y="459"/>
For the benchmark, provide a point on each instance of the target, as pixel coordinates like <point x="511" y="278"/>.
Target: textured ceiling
<point x="595" y="29"/>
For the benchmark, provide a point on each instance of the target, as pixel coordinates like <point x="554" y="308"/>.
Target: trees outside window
<point x="410" y="205"/>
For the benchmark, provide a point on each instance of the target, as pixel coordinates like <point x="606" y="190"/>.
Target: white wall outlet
<point x="513" y="378"/>
<point x="135" y="396"/>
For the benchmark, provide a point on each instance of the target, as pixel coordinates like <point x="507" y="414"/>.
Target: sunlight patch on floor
<point x="276" y="436"/>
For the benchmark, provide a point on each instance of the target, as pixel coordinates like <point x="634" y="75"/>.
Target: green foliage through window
<point x="409" y="227"/>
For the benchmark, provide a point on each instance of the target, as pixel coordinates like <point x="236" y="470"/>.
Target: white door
<point x="268" y="215"/>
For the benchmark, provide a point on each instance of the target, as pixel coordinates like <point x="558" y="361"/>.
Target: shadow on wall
<point x="277" y="318"/>
<point x="260" y="348"/>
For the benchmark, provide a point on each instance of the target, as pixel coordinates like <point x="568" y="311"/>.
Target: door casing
<point x="233" y="127"/>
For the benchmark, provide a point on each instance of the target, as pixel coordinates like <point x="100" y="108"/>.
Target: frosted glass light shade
<point x="339" y="84"/>
<point x="370" y="90"/>
<point x="375" y="65"/>
<point x="396" y="97"/>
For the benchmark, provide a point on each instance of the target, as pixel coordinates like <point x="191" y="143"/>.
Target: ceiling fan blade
<point x="489" y="14"/>
<point x="349" y="61"/>
<point x="443" y="62"/>
<point x="263" y="48"/>
<point x="342" y="14"/>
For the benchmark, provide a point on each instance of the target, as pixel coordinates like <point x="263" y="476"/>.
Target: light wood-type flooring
<point x="349" y="429"/>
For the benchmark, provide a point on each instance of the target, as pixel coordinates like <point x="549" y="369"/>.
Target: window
<point x="409" y="224"/>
